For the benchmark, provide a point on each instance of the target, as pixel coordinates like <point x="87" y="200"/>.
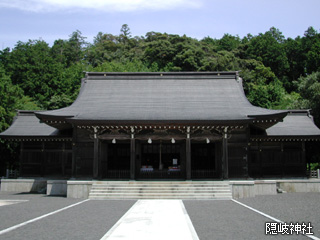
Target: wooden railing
<point x="118" y="174"/>
<point x="160" y="174"/>
<point x="12" y="173"/>
<point x="203" y="173"/>
<point x="314" y="173"/>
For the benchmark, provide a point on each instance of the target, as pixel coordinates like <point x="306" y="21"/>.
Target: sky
<point x="49" y="20"/>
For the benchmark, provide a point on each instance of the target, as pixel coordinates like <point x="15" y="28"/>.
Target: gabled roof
<point x="296" y="123"/>
<point x="26" y="125"/>
<point x="158" y="97"/>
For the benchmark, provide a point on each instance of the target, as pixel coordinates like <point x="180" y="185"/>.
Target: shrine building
<point x="162" y="126"/>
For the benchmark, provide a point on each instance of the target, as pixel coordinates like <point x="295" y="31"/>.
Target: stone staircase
<point x="160" y="190"/>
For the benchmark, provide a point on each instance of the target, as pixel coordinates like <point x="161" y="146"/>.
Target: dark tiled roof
<point x="27" y="125"/>
<point x="160" y="97"/>
<point x="298" y="123"/>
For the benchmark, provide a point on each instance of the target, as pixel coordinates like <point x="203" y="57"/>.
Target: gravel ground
<point x="37" y="205"/>
<point x="89" y="220"/>
<point x="211" y="219"/>
<point x="290" y="207"/>
<point x="215" y="220"/>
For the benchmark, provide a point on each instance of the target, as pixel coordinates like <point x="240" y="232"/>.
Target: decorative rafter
<point x="146" y="131"/>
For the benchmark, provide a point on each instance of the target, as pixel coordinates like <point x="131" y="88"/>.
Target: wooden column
<point x="188" y="155"/>
<point x="103" y="159"/>
<point x="74" y="150"/>
<point x="225" y="167"/>
<point x="63" y="159"/>
<point x="282" y="159"/>
<point x="43" y="161"/>
<point x="259" y="159"/>
<point x="247" y="157"/>
<point x="22" y="157"/>
<point x="303" y="146"/>
<point x="132" y="155"/>
<point x="95" y="155"/>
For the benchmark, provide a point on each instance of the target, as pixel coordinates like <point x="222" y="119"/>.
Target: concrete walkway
<point x="37" y="216"/>
<point x="148" y="219"/>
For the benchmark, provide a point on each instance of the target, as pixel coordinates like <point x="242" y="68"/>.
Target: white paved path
<point x="152" y="220"/>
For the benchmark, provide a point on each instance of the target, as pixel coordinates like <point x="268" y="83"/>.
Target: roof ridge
<point x="234" y="74"/>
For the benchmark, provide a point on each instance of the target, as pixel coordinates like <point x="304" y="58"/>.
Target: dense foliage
<point x="278" y="72"/>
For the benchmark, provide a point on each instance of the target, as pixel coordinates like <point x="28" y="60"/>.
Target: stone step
<point x="173" y="188"/>
<point x="161" y="182"/>
<point x="159" y="186"/>
<point x="160" y="190"/>
<point x="157" y="192"/>
<point x="162" y="195"/>
<point x="94" y="197"/>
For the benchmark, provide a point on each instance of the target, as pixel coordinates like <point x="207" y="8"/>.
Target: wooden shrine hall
<point x="184" y="125"/>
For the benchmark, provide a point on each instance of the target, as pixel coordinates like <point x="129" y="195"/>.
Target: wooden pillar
<point x="95" y="154"/>
<point x="260" y="159"/>
<point x="132" y="154"/>
<point x="188" y="155"/>
<point x="303" y="146"/>
<point x="225" y="153"/>
<point x="103" y="159"/>
<point x="63" y="159"/>
<point x="22" y="156"/>
<point x="74" y="151"/>
<point x="282" y="159"/>
<point x="222" y="160"/>
<point x="247" y="156"/>
<point x="43" y="160"/>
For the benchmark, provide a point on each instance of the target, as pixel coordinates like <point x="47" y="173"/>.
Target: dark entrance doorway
<point x="161" y="160"/>
<point x="116" y="160"/>
<point x="203" y="161"/>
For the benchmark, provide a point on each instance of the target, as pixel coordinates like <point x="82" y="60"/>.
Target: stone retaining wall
<point x="310" y="185"/>
<point x="81" y="189"/>
<point x="57" y="188"/>
<point x="23" y="185"/>
<point x="78" y="189"/>
<point x="244" y="189"/>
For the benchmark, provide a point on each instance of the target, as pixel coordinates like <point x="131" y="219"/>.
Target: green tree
<point x="33" y="69"/>
<point x="228" y="42"/>
<point x="309" y="89"/>
<point x="11" y="98"/>
<point x="311" y="49"/>
<point x="75" y="48"/>
<point x="158" y="49"/>
<point x="125" y="31"/>
<point x="126" y="66"/>
<point x="295" y="55"/>
<point x="264" y="89"/>
<point x="269" y="49"/>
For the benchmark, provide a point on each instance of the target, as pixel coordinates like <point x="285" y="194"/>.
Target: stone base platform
<point x="82" y="189"/>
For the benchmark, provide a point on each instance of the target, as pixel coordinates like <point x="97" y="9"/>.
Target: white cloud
<point x="100" y="5"/>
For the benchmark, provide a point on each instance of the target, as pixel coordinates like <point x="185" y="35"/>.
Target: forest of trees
<point x="278" y="72"/>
